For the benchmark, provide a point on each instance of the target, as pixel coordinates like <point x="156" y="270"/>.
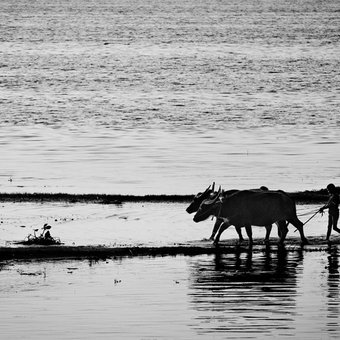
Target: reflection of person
<point x="333" y="210"/>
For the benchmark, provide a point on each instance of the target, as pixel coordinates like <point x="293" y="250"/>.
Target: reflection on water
<point x="245" y="293"/>
<point x="274" y="293"/>
<point x="333" y="303"/>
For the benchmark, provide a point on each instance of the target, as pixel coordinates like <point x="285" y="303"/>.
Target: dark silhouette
<point x="210" y="194"/>
<point x="247" y="207"/>
<point x="333" y="210"/>
<point x="207" y="194"/>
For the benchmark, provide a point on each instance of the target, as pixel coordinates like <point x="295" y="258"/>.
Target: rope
<point x="309" y="219"/>
<point x="308" y="212"/>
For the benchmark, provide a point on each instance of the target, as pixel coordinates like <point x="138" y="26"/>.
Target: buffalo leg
<point x="278" y="229"/>
<point x="216" y="227"/>
<point x="249" y="233"/>
<point x="282" y="226"/>
<point x="299" y="226"/>
<point x="268" y="231"/>
<point x="239" y="232"/>
<point x="223" y="227"/>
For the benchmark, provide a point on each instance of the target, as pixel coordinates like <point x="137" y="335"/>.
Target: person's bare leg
<point x="329" y="227"/>
<point x="335" y="223"/>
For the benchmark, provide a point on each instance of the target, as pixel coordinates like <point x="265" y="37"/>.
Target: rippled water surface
<point x="146" y="96"/>
<point x="242" y="295"/>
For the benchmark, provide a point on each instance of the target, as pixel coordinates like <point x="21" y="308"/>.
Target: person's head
<point x="331" y="188"/>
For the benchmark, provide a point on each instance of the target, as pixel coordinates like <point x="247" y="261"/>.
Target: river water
<point x="164" y="97"/>
<point x="261" y="295"/>
<point x="148" y="96"/>
<point x="264" y="292"/>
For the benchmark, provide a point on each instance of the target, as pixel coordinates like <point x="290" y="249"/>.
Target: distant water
<point x="147" y="96"/>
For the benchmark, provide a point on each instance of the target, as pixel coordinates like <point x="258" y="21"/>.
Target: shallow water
<point x="167" y="96"/>
<point x="259" y="294"/>
<point x="132" y="224"/>
<point x="146" y="96"/>
<point x="249" y="295"/>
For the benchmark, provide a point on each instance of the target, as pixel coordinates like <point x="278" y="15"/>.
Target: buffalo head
<point x="199" y="198"/>
<point x="208" y="207"/>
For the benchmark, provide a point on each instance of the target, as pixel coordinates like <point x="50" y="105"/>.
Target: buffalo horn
<point x="215" y="198"/>
<point x="206" y="190"/>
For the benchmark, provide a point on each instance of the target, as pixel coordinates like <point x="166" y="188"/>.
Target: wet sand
<point x="191" y="248"/>
<point x="137" y="227"/>
<point x="141" y="228"/>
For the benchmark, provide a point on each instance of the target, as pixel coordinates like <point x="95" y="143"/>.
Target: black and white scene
<point x="169" y="169"/>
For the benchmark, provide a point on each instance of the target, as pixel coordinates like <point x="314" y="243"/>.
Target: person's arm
<point x="328" y="204"/>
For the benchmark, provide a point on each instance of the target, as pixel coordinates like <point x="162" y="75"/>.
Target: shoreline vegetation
<point x="312" y="196"/>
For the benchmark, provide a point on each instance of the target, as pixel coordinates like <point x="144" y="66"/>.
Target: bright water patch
<point x="41" y="159"/>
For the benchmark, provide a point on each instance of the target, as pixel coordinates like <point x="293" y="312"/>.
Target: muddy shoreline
<point x="314" y="196"/>
<point x="190" y="249"/>
<point x="125" y="228"/>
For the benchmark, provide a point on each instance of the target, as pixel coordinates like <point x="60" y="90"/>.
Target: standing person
<point x="333" y="210"/>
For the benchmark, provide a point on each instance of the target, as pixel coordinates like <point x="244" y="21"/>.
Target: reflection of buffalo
<point x="245" y="265"/>
<point x="244" y="291"/>
<point x="333" y="305"/>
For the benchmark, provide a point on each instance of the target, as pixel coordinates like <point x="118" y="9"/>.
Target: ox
<point x="208" y="194"/>
<point x="251" y="207"/>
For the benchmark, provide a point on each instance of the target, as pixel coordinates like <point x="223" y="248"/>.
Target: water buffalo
<point x="251" y="207"/>
<point x="199" y="198"/>
<point x="209" y="193"/>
